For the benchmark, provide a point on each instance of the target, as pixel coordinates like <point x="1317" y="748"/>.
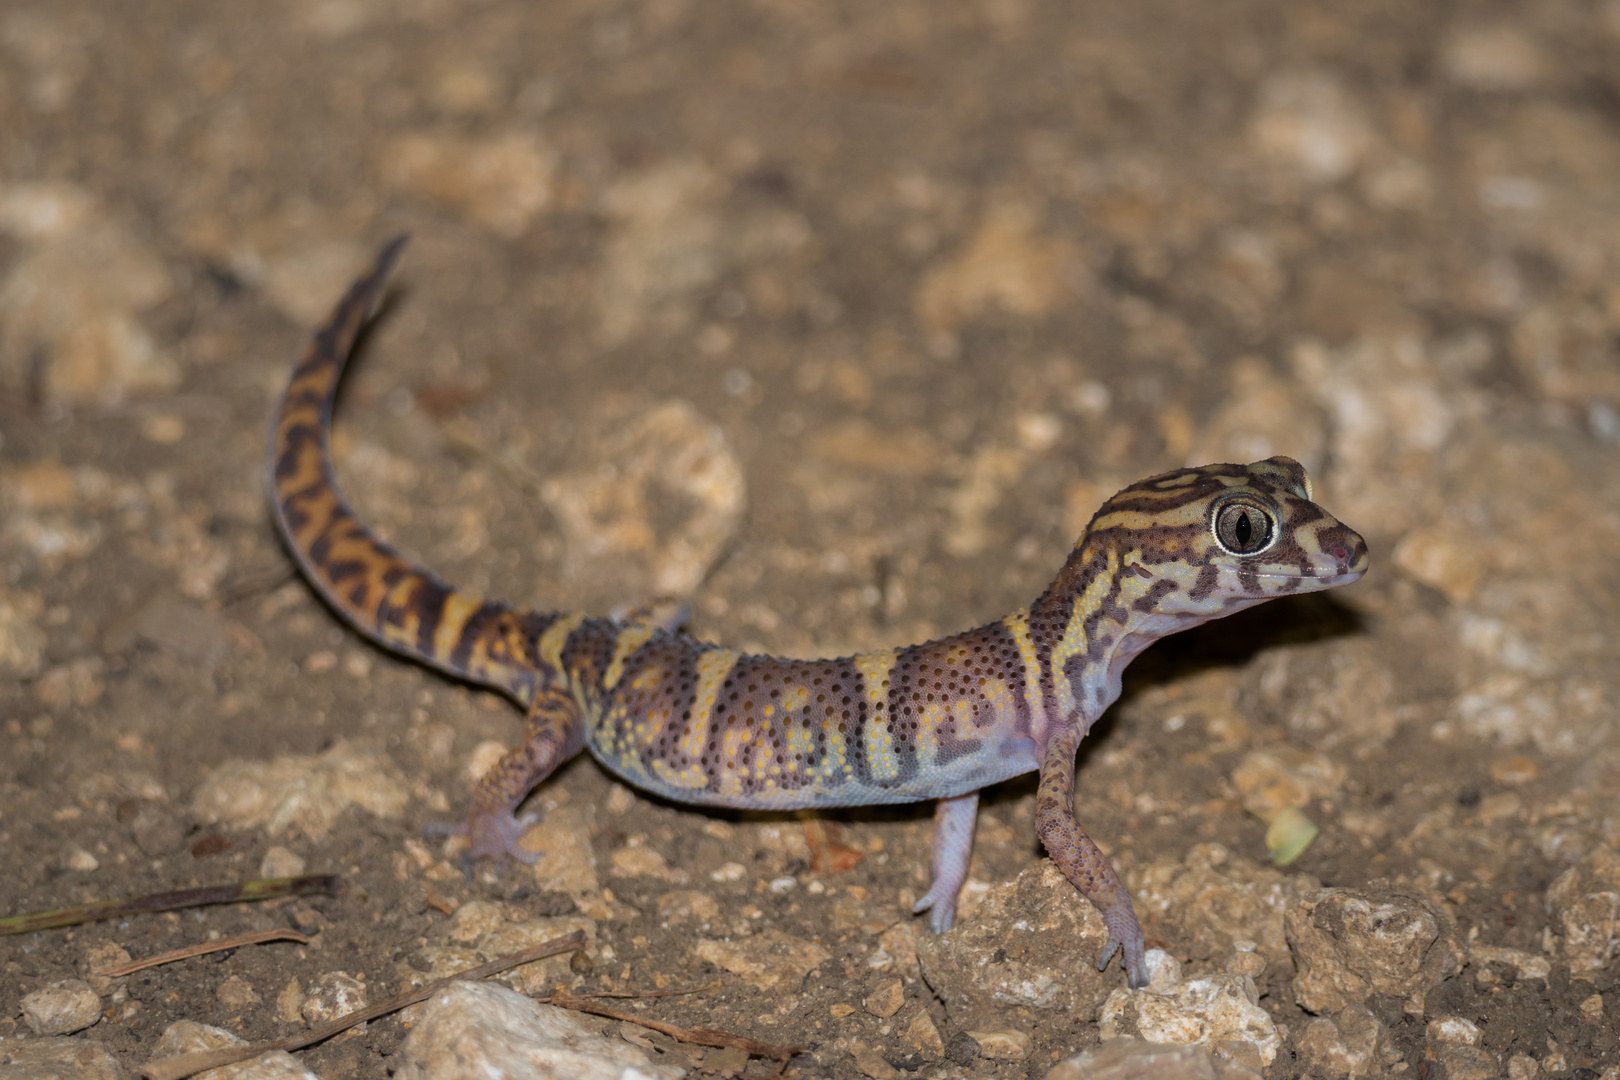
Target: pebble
<point x="771" y="961"/>
<point x="236" y="992"/>
<point x="99" y="958"/>
<point x="61" y="1008"/>
<point x="58" y="1059"/>
<point x="886" y="1000"/>
<point x="1001" y="1045"/>
<point x="1033" y="942"/>
<point x="871" y="1063"/>
<point x="1584" y="902"/>
<point x="471" y="1031"/>
<point x="922" y="1035"/>
<point x="1346" y="1046"/>
<point x="1220" y="1011"/>
<point x="1453" y="1043"/>
<point x="1352" y="944"/>
<point x="335" y="994"/>
<point x="1281" y="778"/>
<point x="567" y="862"/>
<point x="190" y="1037"/>
<point x="1525" y="965"/>
<point x="306" y="793"/>
<point x="1138" y="1059"/>
<point x="278" y="862"/>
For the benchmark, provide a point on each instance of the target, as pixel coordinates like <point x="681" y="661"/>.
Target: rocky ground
<point x="840" y="319"/>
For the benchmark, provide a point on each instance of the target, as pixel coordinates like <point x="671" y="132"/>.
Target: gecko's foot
<point x="1125" y="936"/>
<point x="940" y="903"/>
<point x="492" y="835"/>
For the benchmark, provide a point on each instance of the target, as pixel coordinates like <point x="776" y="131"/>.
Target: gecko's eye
<point x="1243" y="527"/>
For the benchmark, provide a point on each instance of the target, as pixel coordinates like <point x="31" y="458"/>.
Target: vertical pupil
<point x="1243" y="529"/>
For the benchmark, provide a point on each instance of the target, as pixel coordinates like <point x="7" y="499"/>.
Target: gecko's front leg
<point x="1082" y="862"/>
<point x="953" y="845"/>
<point x="554" y="733"/>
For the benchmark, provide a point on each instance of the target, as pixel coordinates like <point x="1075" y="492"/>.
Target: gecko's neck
<point x="1099" y="613"/>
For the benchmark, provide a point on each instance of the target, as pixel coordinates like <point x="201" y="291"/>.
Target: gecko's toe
<point x="495" y="836"/>
<point x="941" y="910"/>
<point x="1125" y="937"/>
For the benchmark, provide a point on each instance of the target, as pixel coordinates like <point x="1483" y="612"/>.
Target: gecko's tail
<point x="379" y="592"/>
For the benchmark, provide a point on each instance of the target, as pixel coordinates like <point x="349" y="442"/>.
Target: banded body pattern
<point x="699" y="723"/>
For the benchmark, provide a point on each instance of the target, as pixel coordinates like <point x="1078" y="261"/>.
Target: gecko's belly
<point x="1001" y="759"/>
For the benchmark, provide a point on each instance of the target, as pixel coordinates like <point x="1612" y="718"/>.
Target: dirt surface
<point x="841" y="320"/>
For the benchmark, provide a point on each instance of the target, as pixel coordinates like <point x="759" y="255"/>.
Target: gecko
<point x="704" y="725"/>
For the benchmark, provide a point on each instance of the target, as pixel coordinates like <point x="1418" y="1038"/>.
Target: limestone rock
<point x="470" y="1031"/>
<point x="1348" y="1046"/>
<point x="1585" y="905"/>
<point x="1350" y="944"/>
<point x="62" y="1008"/>
<point x="1220" y="1011"/>
<point x="1032" y="942"/>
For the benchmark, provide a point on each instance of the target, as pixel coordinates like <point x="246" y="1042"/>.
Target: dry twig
<point x="255" y="938"/>
<point x="263" y="889"/>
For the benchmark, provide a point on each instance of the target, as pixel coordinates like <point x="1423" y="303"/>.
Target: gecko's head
<point x="1227" y="534"/>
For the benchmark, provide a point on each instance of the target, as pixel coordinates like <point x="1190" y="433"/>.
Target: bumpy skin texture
<point x="699" y="723"/>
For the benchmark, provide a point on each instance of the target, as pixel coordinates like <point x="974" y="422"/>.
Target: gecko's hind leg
<point x="555" y="732"/>
<point x="953" y="845"/>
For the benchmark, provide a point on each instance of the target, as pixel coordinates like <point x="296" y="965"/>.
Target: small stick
<point x="262" y="889"/>
<point x="255" y="938"/>
<point x="701" y="1036"/>
<point x="178" y="1068"/>
<point x="706" y="988"/>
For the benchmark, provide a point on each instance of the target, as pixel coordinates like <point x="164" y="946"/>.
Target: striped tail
<point x="371" y="586"/>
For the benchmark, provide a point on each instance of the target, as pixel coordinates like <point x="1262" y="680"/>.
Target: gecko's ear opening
<point x="1297" y="478"/>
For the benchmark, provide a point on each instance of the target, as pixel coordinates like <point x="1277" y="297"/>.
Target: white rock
<point x="1221" y="1012"/>
<point x="1453" y="1029"/>
<point x="62" y="1008"/>
<point x="473" y="1031"/>
<point x="190" y="1037"/>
